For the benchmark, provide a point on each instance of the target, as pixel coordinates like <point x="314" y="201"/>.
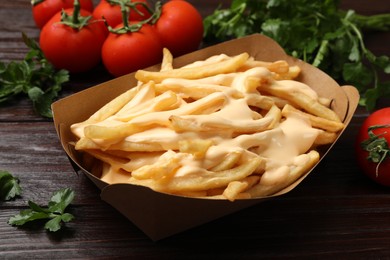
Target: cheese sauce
<point x="280" y="146"/>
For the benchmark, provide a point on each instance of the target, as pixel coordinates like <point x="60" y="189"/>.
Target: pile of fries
<point x="227" y="127"/>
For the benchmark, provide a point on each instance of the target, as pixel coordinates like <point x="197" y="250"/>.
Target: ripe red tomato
<point x="76" y="50"/>
<point x="44" y="10"/>
<point x="180" y="27"/>
<point x="126" y="53"/>
<point x="378" y="171"/>
<point x="113" y="15"/>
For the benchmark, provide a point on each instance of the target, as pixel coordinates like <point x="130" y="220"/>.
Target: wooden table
<point x="335" y="212"/>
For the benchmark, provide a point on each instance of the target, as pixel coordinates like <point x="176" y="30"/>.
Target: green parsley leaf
<point x="317" y="32"/>
<point x="9" y="186"/>
<point x="54" y="212"/>
<point x="35" y="77"/>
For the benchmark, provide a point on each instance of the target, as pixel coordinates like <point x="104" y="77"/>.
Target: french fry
<point x="293" y="73"/>
<point x="190" y="123"/>
<point x="221" y="67"/>
<point x="324" y="138"/>
<point x="197" y="148"/>
<point x="211" y="102"/>
<point x="195" y="90"/>
<point x="228" y="162"/>
<point x="318" y="122"/>
<point x="237" y="189"/>
<point x="159" y="171"/>
<point x="166" y="101"/>
<point x="281" y="69"/>
<point x="210" y="180"/>
<point x="107" y="110"/>
<point x="260" y="101"/>
<point x="167" y="60"/>
<point x="112" y="132"/>
<point x="269" y="185"/>
<point x="303" y="101"/>
<point x="233" y="190"/>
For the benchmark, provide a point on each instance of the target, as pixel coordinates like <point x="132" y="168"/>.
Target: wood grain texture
<point x="335" y="212"/>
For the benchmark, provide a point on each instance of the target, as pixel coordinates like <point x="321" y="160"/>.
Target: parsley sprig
<point x="54" y="212"/>
<point x="317" y="32"/>
<point x="34" y="76"/>
<point x="9" y="186"/>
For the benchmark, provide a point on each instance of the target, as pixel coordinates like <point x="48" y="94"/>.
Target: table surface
<point x="335" y="212"/>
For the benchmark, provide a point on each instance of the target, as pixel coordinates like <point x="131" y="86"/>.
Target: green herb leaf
<point x="61" y="200"/>
<point x="35" y="77"/>
<point x="25" y="216"/>
<point x="54" y="213"/>
<point x="9" y="186"/>
<point x="317" y="32"/>
<point x="54" y="224"/>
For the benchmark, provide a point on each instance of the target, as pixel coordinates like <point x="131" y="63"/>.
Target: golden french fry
<point x="167" y="60"/>
<point x="197" y="147"/>
<point x="317" y="122"/>
<point x="180" y="124"/>
<point x="233" y="189"/>
<point x="302" y="100"/>
<point x="269" y="184"/>
<point x="259" y="101"/>
<point x="106" y="111"/>
<point x="113" y="106"/>
<point x="166" y="101"/>
<point x="85" y="143"/>
<point x="275" y="114"/>
<point x="228" y="162"/>
<point x="136" y="147"/>
<point x="161" y="170"/>
<point x="324" y="138"/>
<point x="144" y="93"/>
<point x="194" y="90"/>
<point x="208" y="103"/>
<point x="221" y="67"/>
<point x="279" y="67"/>
<point x="111" y="132"/>
<point x="202" y="123"/>
<point x="221" y="125"/>
<point x="236" y="189"/>
<point x="293" y="72"/>
<point x="206" y="180"/>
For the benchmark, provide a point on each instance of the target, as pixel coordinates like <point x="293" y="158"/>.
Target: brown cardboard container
<point x="160" y="215"/>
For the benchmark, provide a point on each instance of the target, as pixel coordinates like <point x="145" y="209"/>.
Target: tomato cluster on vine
<point x="123" y="35"/>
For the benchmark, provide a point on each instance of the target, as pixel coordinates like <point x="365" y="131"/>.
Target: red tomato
<point x="379" y="173"/>
<point x="113" y="15"/>
<point x="126" y="53"/>
<point x="76" y="50"/>
<point x="44" y="10"/>
<point x="180" y="27"/>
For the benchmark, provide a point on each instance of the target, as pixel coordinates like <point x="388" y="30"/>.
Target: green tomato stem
<point x="76" y="11"/>
<point x="76" y="21"/>
<point x="126" y="8"/>
<point x="376" y="146"/>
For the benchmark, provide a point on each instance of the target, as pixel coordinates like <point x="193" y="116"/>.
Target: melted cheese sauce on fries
<point x="225" y="127"/>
